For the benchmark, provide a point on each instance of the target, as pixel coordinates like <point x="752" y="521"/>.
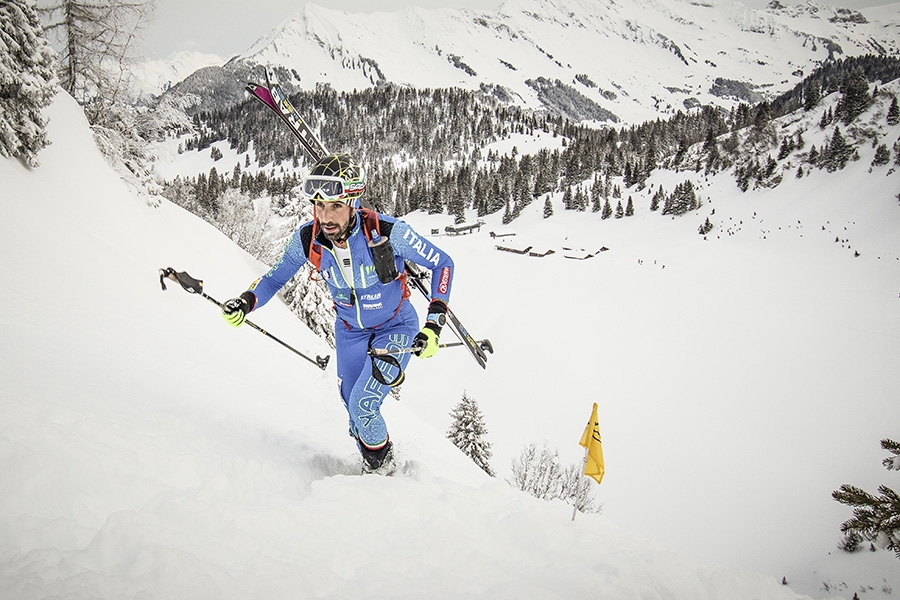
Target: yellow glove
<point x="235" y="310"/>
<point x="425" y="344"/>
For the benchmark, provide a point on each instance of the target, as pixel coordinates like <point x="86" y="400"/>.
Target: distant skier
<point x="360" y="255"/>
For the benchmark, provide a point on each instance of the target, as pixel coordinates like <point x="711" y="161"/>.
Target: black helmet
<point x="335" y="178"/>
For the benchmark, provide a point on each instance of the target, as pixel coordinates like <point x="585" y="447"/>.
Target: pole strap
<point x="390" y="360"/>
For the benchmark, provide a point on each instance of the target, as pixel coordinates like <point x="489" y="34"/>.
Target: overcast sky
<point x="228" y="27"/>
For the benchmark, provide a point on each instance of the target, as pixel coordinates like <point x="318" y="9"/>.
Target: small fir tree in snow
<point x="568" y="202"/>
<point x="813" y="157"/>
<point x="607" y="210"/>
<point x="597" y="194"/>
<point x="893" y="114"/>
<point x="548" y="208"/>
<point x="838" y="152"/>
<point x="813" y="95"/>
<point x="27" y="82"/>
<point x="467" y="432"/>
<point x="875" y="518"/>
<point x="787" y="146"/>
<point x="658" y="198"/>
<point x="882" y="156"/>
<point x="856" y="98"/>
<point x="580" y="201"/>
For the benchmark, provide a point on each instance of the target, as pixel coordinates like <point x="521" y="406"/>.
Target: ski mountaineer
<point x="360" y="255"/>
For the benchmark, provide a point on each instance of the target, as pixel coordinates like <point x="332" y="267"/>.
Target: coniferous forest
<point x="423" y="148"/>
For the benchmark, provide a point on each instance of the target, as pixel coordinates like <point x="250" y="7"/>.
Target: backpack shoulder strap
<point x="370" y="222"/>
<point x="313" y="248"/>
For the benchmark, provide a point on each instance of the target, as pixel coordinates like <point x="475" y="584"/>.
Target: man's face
<point x="334" y="219"/>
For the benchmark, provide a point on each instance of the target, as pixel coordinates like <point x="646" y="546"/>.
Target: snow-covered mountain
<point x="617" y="60"/>
<point x="154" y="76"/>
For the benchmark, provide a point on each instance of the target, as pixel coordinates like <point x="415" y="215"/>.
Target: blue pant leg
<point x="351" y="346"/>
<point x="367" y="393"/>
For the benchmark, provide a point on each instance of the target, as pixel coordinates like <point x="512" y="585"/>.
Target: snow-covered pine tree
<point x="882" y="156"/>
<point x="548" y="208"/>
<point x="568" y="199"/>
<point x="27" y="82"/>
<point x="837" y="153"/>
<point x="580" y="201"/>
<point x="856" y="98"/>
<point x="875" y="518"/>
<point x="813" y="95"/>
<point x="607" y="210"/>
<point x="467" y="433"/>
<point x="658" y="198"/>
<point x="893" y="114"/>
<point x="683" y="199"/>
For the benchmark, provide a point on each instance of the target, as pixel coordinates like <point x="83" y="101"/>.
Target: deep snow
<point x="149" y="450"/>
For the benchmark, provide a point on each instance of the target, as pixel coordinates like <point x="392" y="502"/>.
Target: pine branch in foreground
<point x="875" y="518"/>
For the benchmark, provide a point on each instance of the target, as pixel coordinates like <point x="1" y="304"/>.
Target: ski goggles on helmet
<point x="333" y="189"/>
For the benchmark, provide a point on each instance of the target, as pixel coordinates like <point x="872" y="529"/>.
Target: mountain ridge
<point x="644" y="60"/>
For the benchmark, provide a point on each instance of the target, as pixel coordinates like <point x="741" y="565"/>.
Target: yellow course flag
<point x="590" y="439"/>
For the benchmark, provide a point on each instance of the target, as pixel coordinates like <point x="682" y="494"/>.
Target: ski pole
<point x="483" y="344"/>
<point x="195" y="286"/>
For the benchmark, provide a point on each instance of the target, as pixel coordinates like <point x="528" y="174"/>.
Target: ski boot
<point x="380" y="461"/>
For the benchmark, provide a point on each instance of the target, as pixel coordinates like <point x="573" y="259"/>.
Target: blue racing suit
<point x="369" y="313"/>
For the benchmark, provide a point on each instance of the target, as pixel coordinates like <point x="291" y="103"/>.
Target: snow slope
<point x="148" y="450"/>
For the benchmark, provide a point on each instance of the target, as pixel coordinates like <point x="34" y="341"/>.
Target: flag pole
<point x="575" y="500"/>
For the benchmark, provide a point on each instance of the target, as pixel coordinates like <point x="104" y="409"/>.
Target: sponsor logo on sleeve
<point x="445" y="280"/>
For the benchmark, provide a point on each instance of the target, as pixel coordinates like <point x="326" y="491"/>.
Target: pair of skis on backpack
<point x="274" y="97"/>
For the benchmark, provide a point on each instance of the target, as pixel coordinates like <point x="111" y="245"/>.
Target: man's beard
<point x="342" y="234"/>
